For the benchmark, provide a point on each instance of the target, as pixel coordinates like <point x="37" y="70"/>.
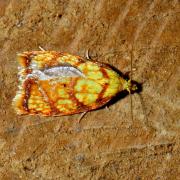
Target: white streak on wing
<point x="64" y="71"/>
<point x="56" y="72"/>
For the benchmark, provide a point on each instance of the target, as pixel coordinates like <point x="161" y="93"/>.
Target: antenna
<point x="143" y="109"/>
<point x="130" y="94"/>
<point x="42" y="49"/>
<point x="140" y="95"/>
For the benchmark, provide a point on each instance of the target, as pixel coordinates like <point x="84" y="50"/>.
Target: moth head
<point x="130" y="86"/>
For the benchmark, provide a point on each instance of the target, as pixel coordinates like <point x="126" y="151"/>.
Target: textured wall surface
<point x="107" y="143"/>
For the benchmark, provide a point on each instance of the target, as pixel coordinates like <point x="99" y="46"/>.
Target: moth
<point x="54" y="84"/>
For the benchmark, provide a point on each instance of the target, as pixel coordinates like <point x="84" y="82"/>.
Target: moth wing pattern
<point x="53" y="83"/>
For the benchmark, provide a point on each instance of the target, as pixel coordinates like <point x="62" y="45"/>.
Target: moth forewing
<point x="62" y="84"/>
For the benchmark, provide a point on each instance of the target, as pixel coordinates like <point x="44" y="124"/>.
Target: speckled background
<point x="108" y="143"/>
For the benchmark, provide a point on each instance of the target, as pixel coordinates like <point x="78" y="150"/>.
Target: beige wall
<point x="107" y="144"/>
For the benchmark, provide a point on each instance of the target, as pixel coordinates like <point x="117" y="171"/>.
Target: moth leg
<point x="81" y="116"/>
<point x="87" y="54"/>
<point x="90" y="57"/>
<point x="42" y="49"/>
<point x="107" y="108"/>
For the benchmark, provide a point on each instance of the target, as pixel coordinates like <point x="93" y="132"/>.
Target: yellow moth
<point x="54" y="84"/>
